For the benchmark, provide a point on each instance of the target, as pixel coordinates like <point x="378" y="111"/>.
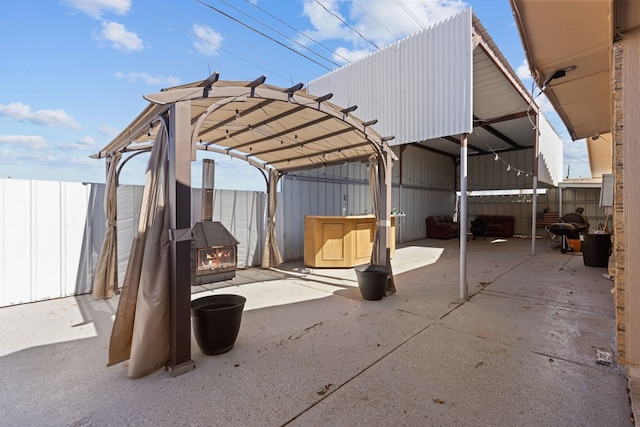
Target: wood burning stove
<point x="213" y="249"/>
<point x="213" y="253"/>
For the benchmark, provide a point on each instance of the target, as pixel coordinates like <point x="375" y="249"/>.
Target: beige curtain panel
<point x="141" y="328"/>
<point x="105" y="280"/>
<point x="271" y="256"/>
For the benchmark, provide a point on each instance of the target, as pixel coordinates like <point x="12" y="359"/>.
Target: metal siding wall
<point x="419" y="87"/>
<point x="242" y="213"/>
<point x="428" y="189"/>
<point x="320" y="193"/>
<point x="551" y="155"/>
<point x="485" y="173"/>
<point x="520" y="206"/>
<point x="587" y="198"/>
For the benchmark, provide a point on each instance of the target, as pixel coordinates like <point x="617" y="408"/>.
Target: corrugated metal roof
<point x="421" y="85"/>
<point x="441" y="82"/>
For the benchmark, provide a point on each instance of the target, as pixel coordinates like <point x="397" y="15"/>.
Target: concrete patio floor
<point x="311" y="351"/>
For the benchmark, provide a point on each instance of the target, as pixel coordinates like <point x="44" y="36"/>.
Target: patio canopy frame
<point x="277" y="130"/>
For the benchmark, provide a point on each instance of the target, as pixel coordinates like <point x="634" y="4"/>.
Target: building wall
<point x="627" y="203"/>
<point x="486" y="173"/>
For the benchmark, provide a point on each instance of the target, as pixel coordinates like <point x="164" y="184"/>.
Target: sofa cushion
<point x="442" y="227"/>
<point x="499" y="225"/>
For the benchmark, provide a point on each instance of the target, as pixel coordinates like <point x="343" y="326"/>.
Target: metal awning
<point x="272" y="128"/>
<point x="503" y="109"/>
<point x="444" y="81"/>
<point x="569" y="48"/>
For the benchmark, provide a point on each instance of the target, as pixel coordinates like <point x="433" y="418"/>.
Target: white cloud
<point x="29" y="141"/>
<point x="380" y="21"/>
<point x="107" y="130"/>
<point x="96" y="8"/>
<point x="148" y="79"/>
<point x="351" y="55"/>
<point x="20" y="111"/>
<point x="523" y="71"/>
<point x="208" y="40"/>
<point x="84" y="143"/>
<point x="25" y="157"/>
<point x="120" y="38"/>
<point x="325" y="25"/>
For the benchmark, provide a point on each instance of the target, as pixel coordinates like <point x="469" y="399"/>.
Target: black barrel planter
<point x="372" y="280"/>
<point x="596" y="250"/>
<point x="216" y="322"/>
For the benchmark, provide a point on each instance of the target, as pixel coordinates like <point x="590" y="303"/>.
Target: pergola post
<point x="384" y="201"/>
<point x="179" y="206"/>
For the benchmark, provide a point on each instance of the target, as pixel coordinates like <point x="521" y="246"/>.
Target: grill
<point x="570" y="226"/>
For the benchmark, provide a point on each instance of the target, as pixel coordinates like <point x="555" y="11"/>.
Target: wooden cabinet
<point x="340" y="241"/>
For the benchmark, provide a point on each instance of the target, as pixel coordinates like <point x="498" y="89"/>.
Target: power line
<point x="226" y="15"/>
<point x="170" y="24"/>
<point x="411" y="14"/>
<point x="279" y="33"/>
<point x="296" y="30"/>
<point x="347" y="25"/>
<point x="357" y="3"/>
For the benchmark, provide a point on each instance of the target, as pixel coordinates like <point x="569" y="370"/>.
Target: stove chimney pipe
<point x="208" y="178"/>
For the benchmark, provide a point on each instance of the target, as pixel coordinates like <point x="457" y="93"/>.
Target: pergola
<point x="277" y="130"/>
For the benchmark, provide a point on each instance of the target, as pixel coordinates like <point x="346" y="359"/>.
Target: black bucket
<point x="372" y="280"/>
<point x="216" y="321"/>
<point x="596" y="250"/>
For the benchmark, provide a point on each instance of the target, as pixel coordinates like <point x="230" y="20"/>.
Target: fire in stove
<point x="213" y="253"/>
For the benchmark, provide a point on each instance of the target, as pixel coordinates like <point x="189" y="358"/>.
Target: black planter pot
<point x="372" y="280"/>
<point x="216" y="321"/>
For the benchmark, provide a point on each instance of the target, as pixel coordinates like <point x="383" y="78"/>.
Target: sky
<point x="73" y="72"/>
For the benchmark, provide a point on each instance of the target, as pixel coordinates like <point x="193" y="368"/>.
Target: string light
<point x="497" y="157"/>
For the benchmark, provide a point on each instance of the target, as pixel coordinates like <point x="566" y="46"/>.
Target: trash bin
<point x="596" y="249"/>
